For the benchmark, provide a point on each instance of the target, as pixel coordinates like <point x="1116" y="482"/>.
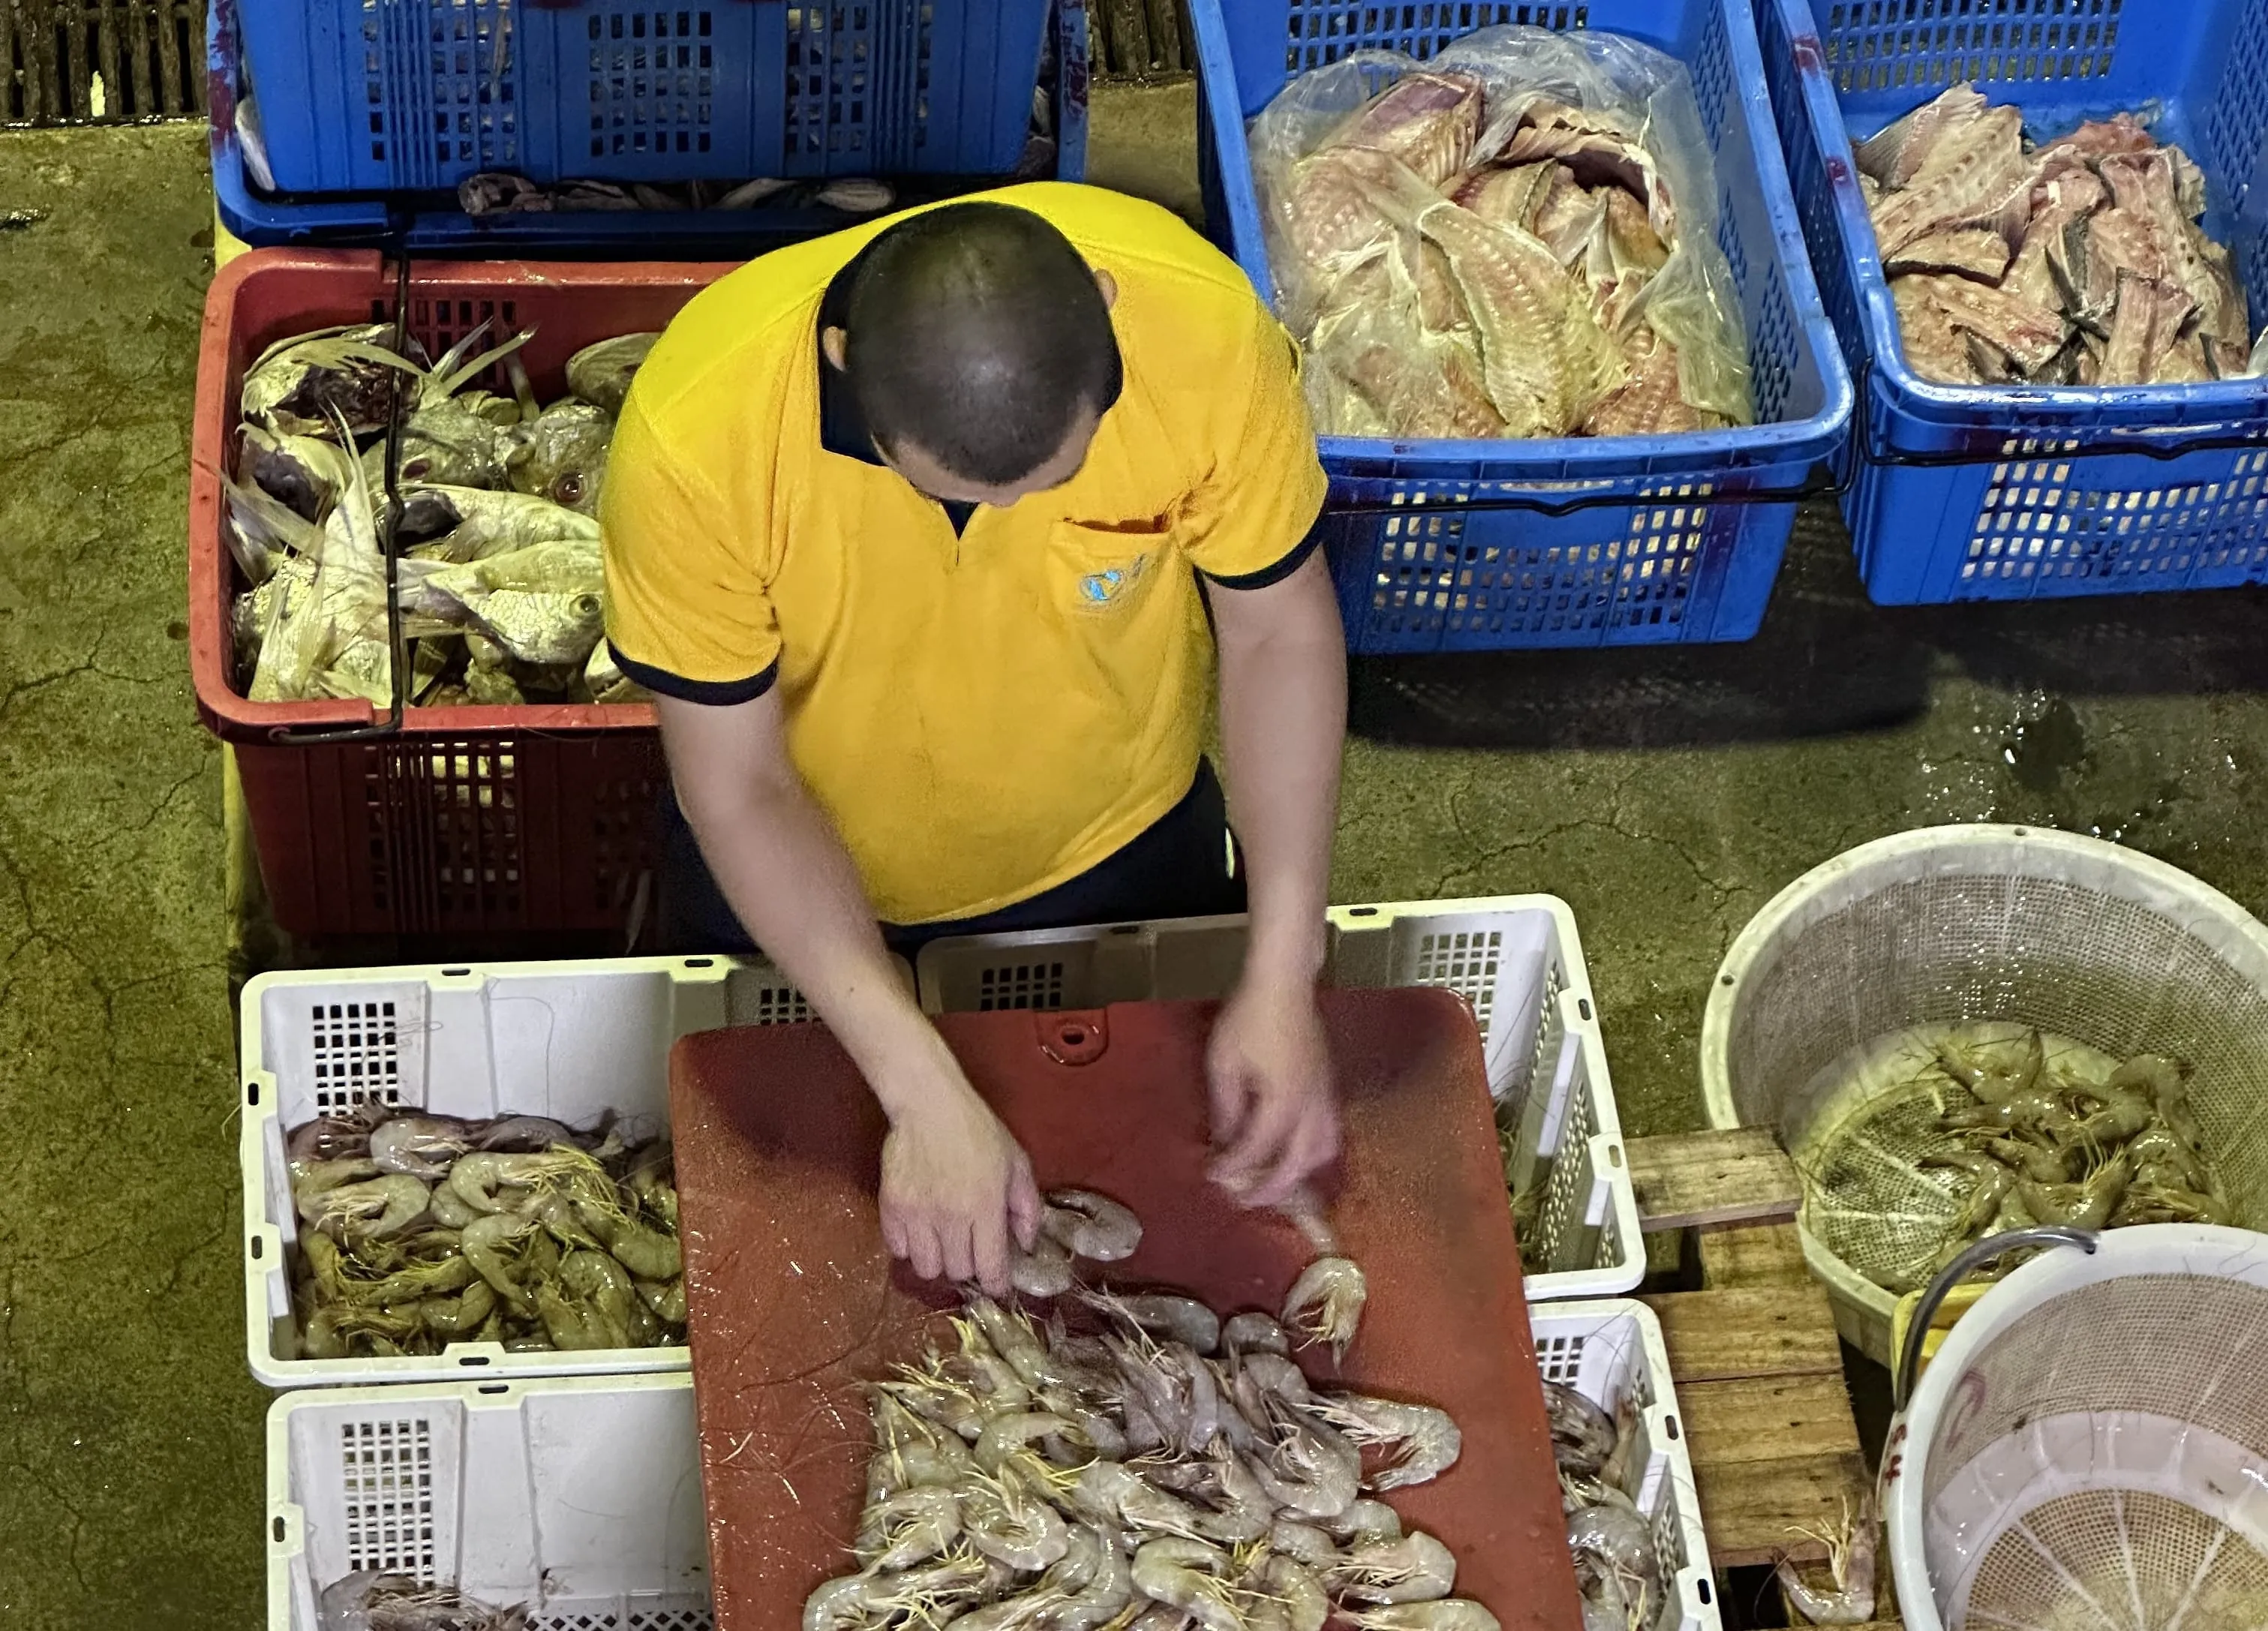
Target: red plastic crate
<point x="471" y="821"/>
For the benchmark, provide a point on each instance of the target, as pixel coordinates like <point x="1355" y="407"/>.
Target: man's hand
<point x="957" y="1188"/>
<point x="1275" y="1116"/>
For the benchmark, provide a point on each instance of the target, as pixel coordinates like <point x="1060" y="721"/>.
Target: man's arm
<point x="955" y="1185"/>
<point x="1283" y="714"/>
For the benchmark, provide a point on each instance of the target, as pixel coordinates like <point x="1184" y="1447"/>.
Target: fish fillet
<point x="2070" y="197"/>
<point x="1427" y="121"/>
<point x="1894" y="155"/>
<point x="1504" y="196"/>
<point x="1546" y="362"/>
<point x="1972" y="177"/>
<point x="1972" y="251"/>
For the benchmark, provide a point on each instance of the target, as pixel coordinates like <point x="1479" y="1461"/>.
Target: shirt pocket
<point x="1105" y="571"/>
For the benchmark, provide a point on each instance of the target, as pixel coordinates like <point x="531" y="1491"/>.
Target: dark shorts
<point x="1178" y="867"/>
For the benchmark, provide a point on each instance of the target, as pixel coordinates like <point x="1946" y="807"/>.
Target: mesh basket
<point x="2091" y="1448"/>
<point x="2103" y="948"/>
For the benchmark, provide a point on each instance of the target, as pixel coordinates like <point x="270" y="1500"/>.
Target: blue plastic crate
<point x="397" y="95"/>
<point x="1998" y="493"/>
<point x="1664" y="548"/>
<point x="431" y="223"/>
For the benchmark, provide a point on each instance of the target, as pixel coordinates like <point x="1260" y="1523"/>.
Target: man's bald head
<point x="976" y="334"/>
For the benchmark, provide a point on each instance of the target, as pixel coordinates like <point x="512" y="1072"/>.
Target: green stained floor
<point x="1666" y="795"/>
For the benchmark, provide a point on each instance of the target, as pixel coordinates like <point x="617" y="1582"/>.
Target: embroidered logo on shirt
<point x="1100" y="588"/>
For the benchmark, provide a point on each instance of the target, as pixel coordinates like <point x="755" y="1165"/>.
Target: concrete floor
<point x="1666" y="795"/>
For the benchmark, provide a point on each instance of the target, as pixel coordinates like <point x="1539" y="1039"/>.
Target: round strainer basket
<point x="2090" y="1448"/>
<point x="2084" y="939"/>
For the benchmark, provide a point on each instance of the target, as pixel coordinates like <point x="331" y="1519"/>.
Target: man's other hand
<point x="1275" y="1116"/>
<point x="957" y="1189"/>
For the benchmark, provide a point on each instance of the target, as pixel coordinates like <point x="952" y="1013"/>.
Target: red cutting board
<point x="794" y="1301"/>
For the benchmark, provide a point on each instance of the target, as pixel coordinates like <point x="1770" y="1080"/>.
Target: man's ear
<point x="1105" y="282"/>
<point x="836" y="346"/>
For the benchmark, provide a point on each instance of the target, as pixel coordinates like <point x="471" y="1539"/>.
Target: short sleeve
<point x="1251" y="520"/>
<point x="687" y="616"/>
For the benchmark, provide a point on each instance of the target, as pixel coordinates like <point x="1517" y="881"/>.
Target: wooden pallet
<point x="1754" y="1357"/>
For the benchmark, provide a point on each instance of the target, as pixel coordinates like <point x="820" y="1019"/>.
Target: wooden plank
<point x="170" y="99"/>
<point x="1753" y="1254"/>
<point x="1778" y="1418"/>
<point x="1165" y="36"/>
<point x="1755" y="1511"/>
<point x="1718" y="1336"/>
<point x="1705" y="1181"/>
<point x="1129" y="32"/>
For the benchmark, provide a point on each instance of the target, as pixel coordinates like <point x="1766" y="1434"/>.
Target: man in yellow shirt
<point x="924" y="535"/>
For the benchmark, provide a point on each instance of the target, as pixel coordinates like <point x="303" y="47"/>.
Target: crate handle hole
<point x="252" y="1092"/>
<point x="1613" y="1155"/>
<point x="1125" y="929"/>
<point x="257" y="1253"/>
<point x="472" y="1362"/>
<point x="496" y="1387"/>
<point x="1724" y="980"/>
<point x="1362" y="911"/>
<point x="455" y="973"/>
<point x="277" y="1531"/>
<point x="1669" y="1426"/>
<point x="1583" y="1007"/>
<point x="1701" y="1586"/>
<point x="1074" y="1036"/>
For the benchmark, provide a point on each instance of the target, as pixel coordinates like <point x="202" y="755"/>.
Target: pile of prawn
<point x="419" y="1231"/>
<point x="1618" y="1566"/>
<point x="2053" y="1143"/>
<point x="371" y="1600"/>
<point x="1137" y="1461"/>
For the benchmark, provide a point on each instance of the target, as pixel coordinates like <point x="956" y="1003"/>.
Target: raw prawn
<point x="525" y="1135"/>
<point x="1416" y="1569"/>
<point x="370" y="1210"/>
<point x="1363" y="1523"/>
<point x="664" y="1298"/>
<point x="1290" y="1584"/>
<point x="646" y="1252"/>
<point x="1426" y="1440"/>
<point x="1014" y="1341"/>
<point x="1850" y="1561"/>
<point x="1184" y="1320"/>
<point x="1090" y="1225"/>
<point x="312" y="1179"/>
<point x="1042" y="1272"/>
<point x="907" y="1527"/>
<point x="1993" y="1085"/>
<point x="1448" y="1614"/>
<point x="1303" y="1542"/>
<point x="1104" y="1592"/>
<point x="1582" y="1435"/>
<point x="1254" y="1333"/>
<point x="476" y="1178"/>
<point x="1325" y="1303"/>
<point x="422" y="1146"/>
<point x="1008" y="1438"/>
<point x="328" y="1138"/>
<point x="2086" y="1204"/>
<point x="1004" y="1519"/>
<point x="1311" y="1470"/>
<point x="483" y="1244"/>
<point x="1186" y="1575"/>
<point x="461" y="1315"/>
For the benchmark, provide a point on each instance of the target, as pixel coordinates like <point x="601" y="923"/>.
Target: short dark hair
<point x="975" y="332"/>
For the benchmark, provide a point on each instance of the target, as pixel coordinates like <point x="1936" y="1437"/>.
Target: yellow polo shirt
<point x="983" y="713"/>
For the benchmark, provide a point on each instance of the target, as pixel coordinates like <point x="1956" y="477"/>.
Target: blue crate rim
<point x="1950" y="405"/>
<point x="1701" y="454"/>
<point x="363" y="221"/>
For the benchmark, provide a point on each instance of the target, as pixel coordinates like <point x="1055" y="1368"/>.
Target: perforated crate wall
<point x="407" y="95"/>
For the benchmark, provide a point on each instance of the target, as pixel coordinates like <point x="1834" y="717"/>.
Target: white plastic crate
<point x="579" y="1497"/>
<point x="572" y="1040"/>
<point x="1610" y="1351"/>
<point x="1514" y="957"/>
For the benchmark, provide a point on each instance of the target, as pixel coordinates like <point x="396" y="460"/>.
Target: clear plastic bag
<point x="1525" y="135"/>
